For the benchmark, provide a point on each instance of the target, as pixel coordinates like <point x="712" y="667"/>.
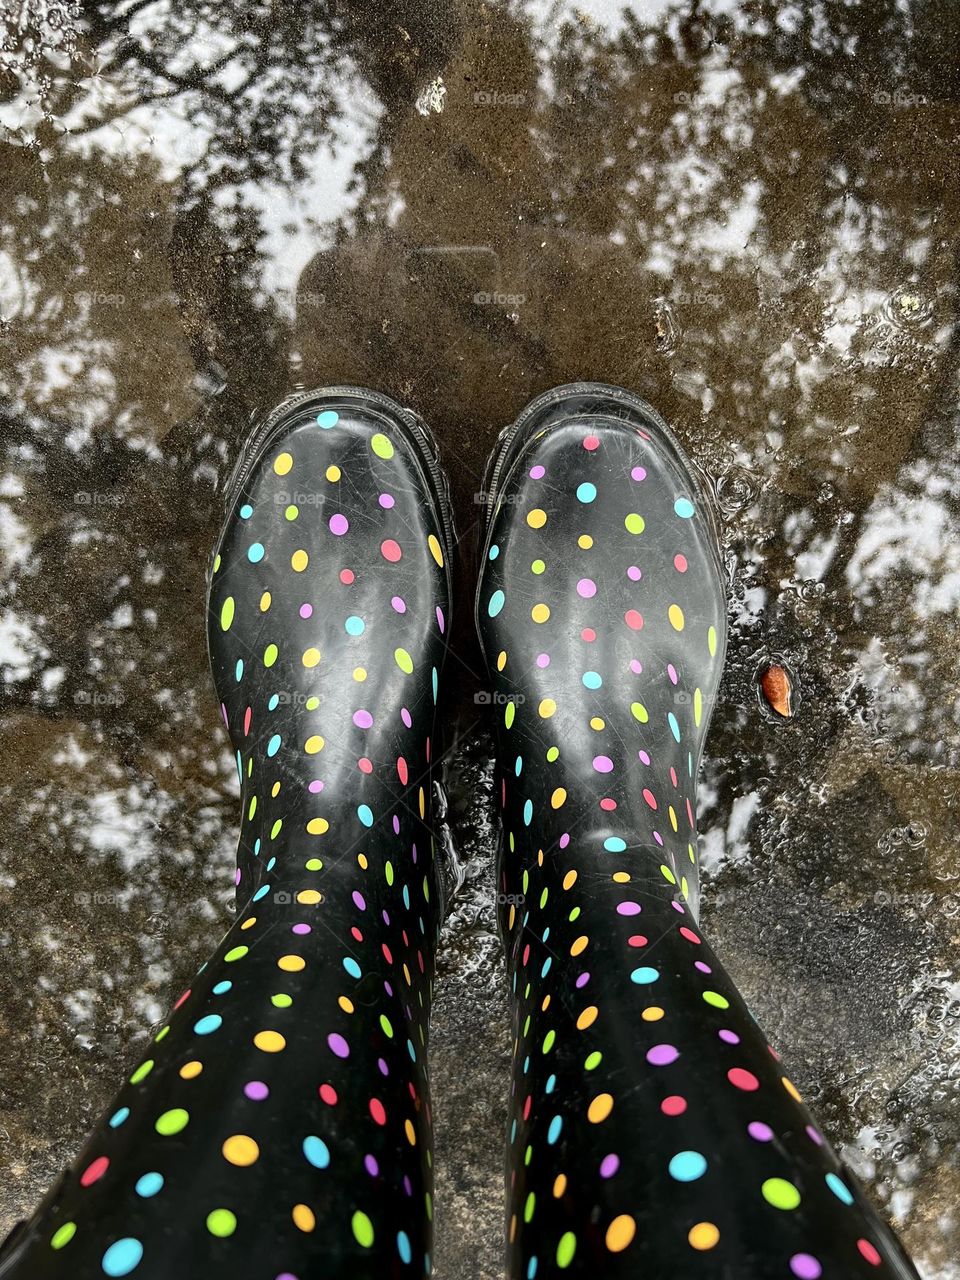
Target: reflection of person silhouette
<point x="280" y="1126"/>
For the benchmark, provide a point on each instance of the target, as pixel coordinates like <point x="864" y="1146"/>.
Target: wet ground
<point x="748" y="215"/>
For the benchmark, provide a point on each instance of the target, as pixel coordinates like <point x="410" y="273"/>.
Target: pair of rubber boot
<point x="280" y="1127"/>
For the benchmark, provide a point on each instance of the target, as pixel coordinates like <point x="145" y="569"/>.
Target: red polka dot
<point x="590" y="443"/>
<point x="650" y="798"/>
<point x="869" y="1252"/>
<point x="741" y="1079"/>
<point x="633" y="620"/>
<point x="680" y="563"/>
<point x="329" y="1094"/>
<point x="637" y="940"/>
<point x="366" y="766"/>
<point x="390" y="550"/>
<point x="378" y="1111"/>
<point x="347" y="576"/>
<point x="608" y="804"/>
<point x="689" y="935"/>
<point x="403" y="772"/>
<point x="674" y="1105"/>
<point x="588" y="634"/>
<point x="185" y="996"/>
<point x="94" y="1171"/>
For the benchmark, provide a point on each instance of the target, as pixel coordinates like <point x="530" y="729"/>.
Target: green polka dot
<point x="227" y="613"/>
<point x="509" y="714"/>
<point x="593" y="1060"/>
<point x="548" y="1041"/>
<point x="235" y="953"/>
<point x="222" y="1223"/>
<point x="553" y="753"/>
<point x="292" y="511"/>
<point x="668" y="875"/>
<point x="780" y="1193"/>
<point x="281" y="1000"/>
<point x="314" y="864"/>
<point x="312" y="703"/>
<point x="142" y="1071"/>
<point x="162" y="1034"/>
<point x="538" y="567"/>
<point x="63" y="1235"/>
<point x="566" y="1249"/>
<point x="403" y="661"/>
<point x="172" y="1122"/>
<point x="382" y="447"/>
<point x="718" y="1001"/>
<point x="360" y="1223"/>
<point x="634" y="523"/>
<point x="275" y="829"/>
<point x="270" y="655"/>
<point x="639" y="712"/>
<point x="386" y="1025"/>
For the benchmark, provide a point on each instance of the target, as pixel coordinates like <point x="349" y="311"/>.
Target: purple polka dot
<point x="629" y="909"/>
<point x="316" y="785"/>
<point x="363" y="719"/>
<point x="301" y="928"/>
<point x="399" y="604"/>
<point x="339" y="525"/>
<point x="704" y="968"/>
<point x="609" y="1165"/>
<point x="638" y="473"/>
<point x="543" y="659"/>
<point x="256" y="1090"/>
<point x="371" y="1166"/>
<point x="603" y="764"/>
<point x="306" y="611"/>
<point x="672" y="672"/>
<point x="759" y="1131"/>
<point x="644" y="757"/>
<point x="537" y="472"/>
<point x="661" y="1055"/>
<point x="727" y="1036"/>
<point x="338" y="1045"/>
<point x="386" y="501"/>
<point x="582" y="980"/>
<point x="564" y="840"/>
<point x="805" y="1266"/>
<point x="636" y="666"/>
<point x="441" y="622"/>
<point x="586" y="588"/>
<point x="814" y="1136"/>
<point x="406" y="717"/>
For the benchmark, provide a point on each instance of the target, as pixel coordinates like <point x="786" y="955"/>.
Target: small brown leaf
<point x="777" y="689"/>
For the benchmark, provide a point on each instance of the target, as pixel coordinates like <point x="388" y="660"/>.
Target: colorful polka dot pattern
<point x="281" y="1119"/>
<point x="652" y="1130"/>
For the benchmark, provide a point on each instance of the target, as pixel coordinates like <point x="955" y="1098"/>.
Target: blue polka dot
<point x="246" y="511"/>
<point x="212" y="1022"/>
<point x="354" y="626"/>
<point x="256" y="553"/>
<point x="329" y="418"/>
<point x="614" y="844"/>
<point x="592" y="679"/>
<point x="687" y="1166"/>
<point x="118" y="1117"/>
<point x="553" y="1133"/>
<point x="365" y="814"/>
<point x="316" y="1151"/>
<point x="122" y="1256"/>
<point x="274" y="702"/>
<point x="273" y="746"/>
<point x="149" y="1185"/>
<point x="239" y="670"/>
<point x="532" y="1268"/>
<point x="839" y="1188"/>
<point x="527" y="813"/>
<point x="222" y="988"/>
<point x="352" y="967"/>
<point x="674" y="727"/>
<point x="493" y="552"/>
<point x="263" y="890"/>
<point x="496" y="603"/>
<point x="644" y="976"/>
<point x="586" y="492"/>
<point x="403" y="1246"/>
<point x="684" y="508"/>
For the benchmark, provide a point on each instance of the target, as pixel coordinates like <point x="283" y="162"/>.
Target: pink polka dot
<point x="537" y="472"/>
<point x="339" y="525"/>
<point x="386" y="501"/>
<point x="633" y="620"/>
<point x="603" y="764"/>
<point x="306" y="611"/>
<point x="674" y="1105"/>
<point x="365" y="765"/>
<point x="390" y="550"/>
<point x="399" y="604"/>
<point x="644" y="757"/>
<point x="543" y="660"/>
<point x="608" y="804"/>
<point x="680" y="563"/>
<point x="637" y="940"/>
<point x="316" y="785"/>
<point x="363" y="719"/>
<point x="94" y="1171"/>
<point x="638" y="473"/>
<point x="590" y="443"/>
<point x="588" y="635"/>
<point x="634" y="574"/>
<point x="586" y="588"/>
<point x="636" y="666"/>
<point x="347" y="577"/>
<point x="672" y="673"/>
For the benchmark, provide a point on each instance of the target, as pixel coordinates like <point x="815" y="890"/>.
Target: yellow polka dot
<point x="536" y="518"/>
<point x="190" y="1070"/>
<point x="597" y="723"/>
<point x="585" y="542"/>
<point x="579" y="945"/>
<point x="600" y="1108"/>
<point x="311" y="657"/>
<point x="309" y="897"/>
<point x="558" y="798"/>
<point x="318" y="826"/>
<point x="304" y="1217"/>
<point x="653" y="1014"/>
<point x="410" y="1132"/>
<point x="265" y="601"/>
<point x="269" y="1041"/>
<point x="313" y="744"/>
<point x="570" y="879"/>
<point x="501" y="659"/>
<point x="248" y="924"/>
<point x="240" y="1150"/>
<point x="299" y="561"/>
<point x="540" y="612"/>
<point x="620" y="1232"/>
<point x="291" y="964"/>
<point x="283" y="464"/>
<point x="334" y="473"/>
<point x="435" y="549"/>
<point x="559" y="1185"/>
<point x="675" y="614"/>
<point x="346" y="1005"/>
<point x="588" y="1017"/>
<point x="712" y="641"/>
<point x="703" y="1236"/>
<point x="359" y="674"/>
<point x="791" y="1088"/>
<point x="547" y="708"/>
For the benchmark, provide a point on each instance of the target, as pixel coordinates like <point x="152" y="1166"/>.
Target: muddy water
<point x="746" y="215"/>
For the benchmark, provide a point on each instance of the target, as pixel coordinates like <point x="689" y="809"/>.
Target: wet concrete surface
<point x="746" y="214"/>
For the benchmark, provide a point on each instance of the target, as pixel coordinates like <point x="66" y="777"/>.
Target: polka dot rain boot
<point x="653" y="1132"/>
<point x="279" y="1127"/>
